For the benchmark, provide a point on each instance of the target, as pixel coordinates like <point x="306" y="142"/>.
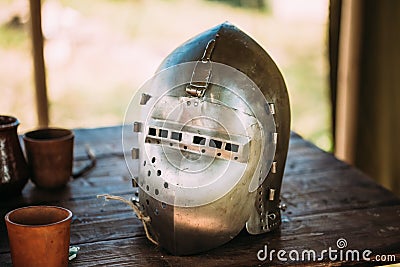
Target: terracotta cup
<point x="50" y="156"/>
<point x="39" y="236"/>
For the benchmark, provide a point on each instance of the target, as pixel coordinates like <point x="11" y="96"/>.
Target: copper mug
<point x="13" y="168"/>
<point x="50" y="156"/>
<point x="39" y="236"/>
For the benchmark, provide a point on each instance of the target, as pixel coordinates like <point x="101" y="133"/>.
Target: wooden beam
<point x="335" y="7"/>
<point x="348" y="80"/>
<point x="38" y="63"/>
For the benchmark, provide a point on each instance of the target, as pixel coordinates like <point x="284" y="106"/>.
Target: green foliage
<point x="13" y="36"/>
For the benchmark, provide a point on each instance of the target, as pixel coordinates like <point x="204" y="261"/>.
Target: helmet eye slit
<point x="215" y="144"/>
<point x="198" y="140"/>
<point x="152" y="131"/>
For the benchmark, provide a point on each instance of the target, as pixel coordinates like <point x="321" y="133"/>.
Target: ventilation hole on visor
<point x="144" y="163"/>
<point x="148" y="173"/>
<point x="198" y="140"/>
<point x="158" y="172"/>
<point x="176" y="136"/>
<point x="165" y="185"/>
<point x="153" y="160"/>
<point x="147" y="202"/>
<point x="231" y="147"/>
<point x="163" y="133"/>
<point x="163" y="205"/>
<point x="156" y="192"/>
<point x="156" y="212"/>
<point x="215" y="143"/>
<point x="152" y="131"/>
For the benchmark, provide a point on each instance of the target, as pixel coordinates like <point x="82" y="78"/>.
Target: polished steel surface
<point x="211" y="160"/>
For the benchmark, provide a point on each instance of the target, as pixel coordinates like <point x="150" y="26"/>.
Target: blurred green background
<point x="98" y="53"/>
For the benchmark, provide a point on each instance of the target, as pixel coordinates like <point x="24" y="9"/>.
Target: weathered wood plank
<point x="325" y="198"/>
<point x="374" y="231"/>
<point x="96" y="220"/>
<point x="320" y="231"/>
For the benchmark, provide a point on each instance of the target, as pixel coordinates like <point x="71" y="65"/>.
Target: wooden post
<point x="38" y="63"/>
<point x="348" y="80"/>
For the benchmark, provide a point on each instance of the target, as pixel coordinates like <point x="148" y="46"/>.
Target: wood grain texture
<point x="326" y="199"/>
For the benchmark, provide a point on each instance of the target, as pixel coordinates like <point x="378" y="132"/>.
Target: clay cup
<point x="39" y="236"/>
<point x="50" y="156"/>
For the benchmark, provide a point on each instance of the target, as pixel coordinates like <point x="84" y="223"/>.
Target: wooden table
<point x="326" y="199"/>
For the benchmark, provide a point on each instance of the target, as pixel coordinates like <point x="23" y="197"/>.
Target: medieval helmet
<point x="207" y="137"/>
